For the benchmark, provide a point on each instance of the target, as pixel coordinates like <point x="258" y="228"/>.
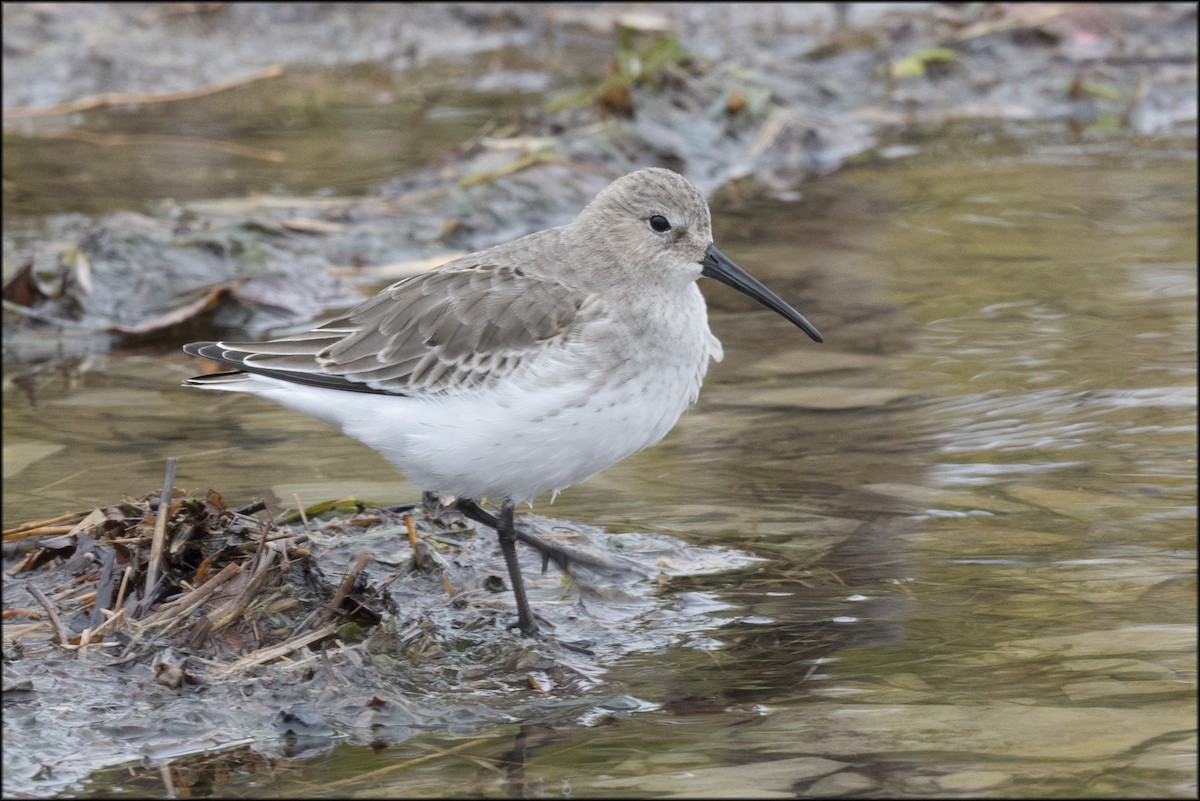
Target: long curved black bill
<point x="717" y="265"/>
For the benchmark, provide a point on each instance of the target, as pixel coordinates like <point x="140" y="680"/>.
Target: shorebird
<point x="523" y="368"/>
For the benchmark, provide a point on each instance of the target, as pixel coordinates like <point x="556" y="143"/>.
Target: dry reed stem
<point x="180" y="608"/>
<point x="344" y="589"/>
<point x="221" y="620"/>
<point x="281" y="649"/>
<point x="160" y="534"/>
<point x="26" y="527"/>
<point x="139" y="98"/>
<point x="403" y="764"/>
<point x="143" y="140"/>
<point x="60" y="631"/>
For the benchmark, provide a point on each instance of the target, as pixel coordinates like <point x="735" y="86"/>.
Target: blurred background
<point x="973" y="509"/>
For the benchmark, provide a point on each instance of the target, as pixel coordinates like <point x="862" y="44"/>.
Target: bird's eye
<point x="659" y="224"/>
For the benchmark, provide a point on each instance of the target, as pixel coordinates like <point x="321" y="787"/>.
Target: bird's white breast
<point x="617" y="387"/>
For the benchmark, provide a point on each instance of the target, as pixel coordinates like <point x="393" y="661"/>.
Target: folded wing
<point x="453" y="330"/>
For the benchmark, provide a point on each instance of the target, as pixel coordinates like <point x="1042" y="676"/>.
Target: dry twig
<point x="344" y="589"/>
<point x="160" y="534"/>
<point x="60" y="631"/>
<point x="34" y="529"/>
<point x="140" y="98"/>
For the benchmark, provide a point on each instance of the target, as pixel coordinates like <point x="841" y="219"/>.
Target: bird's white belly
<point x="519" y="442"/>
<point x="566" y="418"/>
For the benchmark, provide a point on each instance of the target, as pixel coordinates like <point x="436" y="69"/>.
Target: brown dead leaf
<point x="23" y="288"/>
<point x="615" y="101"/>
<point x="180" y="314"/>
<point x="214" y="503"/>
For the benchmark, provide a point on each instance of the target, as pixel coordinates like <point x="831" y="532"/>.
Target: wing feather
<point x="453" y="330"/>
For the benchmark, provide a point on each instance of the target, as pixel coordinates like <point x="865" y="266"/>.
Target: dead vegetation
<point x="129" y="580"/>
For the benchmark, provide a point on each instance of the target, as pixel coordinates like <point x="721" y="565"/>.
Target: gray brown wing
<point x="440" y="332"/>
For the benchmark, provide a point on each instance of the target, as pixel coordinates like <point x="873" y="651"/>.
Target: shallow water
<point x="976" y="501"/>
<point x="328" y="131"/>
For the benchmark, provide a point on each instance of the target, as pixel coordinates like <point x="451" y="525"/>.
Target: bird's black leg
<point x="473" y="511"/>
<point x="563" y="558"/>
<point x="506" y="531"/>
<point x="508" y="546"/>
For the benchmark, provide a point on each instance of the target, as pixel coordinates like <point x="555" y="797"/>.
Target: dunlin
<point x="523" y="368"/>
